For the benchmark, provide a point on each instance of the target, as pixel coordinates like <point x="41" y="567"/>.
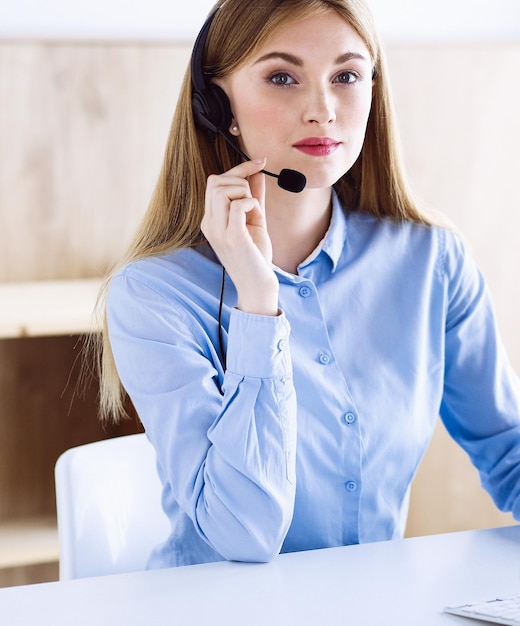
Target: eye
<point x="346" y="77"/>
<point x="281" y="79"/>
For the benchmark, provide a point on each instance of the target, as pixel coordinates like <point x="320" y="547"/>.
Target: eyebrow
<point x="294" y="60"/>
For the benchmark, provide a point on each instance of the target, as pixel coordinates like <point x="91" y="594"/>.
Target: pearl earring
<point x="234" y="129"/>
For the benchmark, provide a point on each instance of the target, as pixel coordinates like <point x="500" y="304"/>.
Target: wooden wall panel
<point x="83" y="129"/>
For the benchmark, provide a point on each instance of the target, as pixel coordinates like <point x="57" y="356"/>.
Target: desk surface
<point x="397" y="583"/>
<point x="47" y="307"/>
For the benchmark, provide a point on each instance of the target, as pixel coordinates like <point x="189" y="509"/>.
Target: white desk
<point x="396" y="583"/>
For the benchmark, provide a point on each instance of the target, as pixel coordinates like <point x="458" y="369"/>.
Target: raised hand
<point x="234" y="223"/>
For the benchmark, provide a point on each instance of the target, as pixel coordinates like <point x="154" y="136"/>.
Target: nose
<point x="320" y="108"/>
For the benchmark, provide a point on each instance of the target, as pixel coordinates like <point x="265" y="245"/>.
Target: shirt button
<point x="305" y="291"/>
<point x="349" y="418"/>
<point x="324" y="358"/>
<point x="351" y="486"/>
<point x="282" y="344"/>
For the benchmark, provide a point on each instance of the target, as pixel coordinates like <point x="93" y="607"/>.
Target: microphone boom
<point x="290" y="180"/>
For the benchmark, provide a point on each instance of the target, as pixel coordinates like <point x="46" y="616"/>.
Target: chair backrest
<point x="108" y="497"/>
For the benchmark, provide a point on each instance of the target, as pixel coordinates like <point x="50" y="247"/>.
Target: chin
<point x="325" y="181"/>
<point x="325" y="175"/>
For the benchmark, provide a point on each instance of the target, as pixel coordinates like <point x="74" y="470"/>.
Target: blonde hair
<point x="375" y="184"/>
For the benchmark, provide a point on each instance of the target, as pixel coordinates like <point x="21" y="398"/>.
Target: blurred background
<point x="87" y="92"/>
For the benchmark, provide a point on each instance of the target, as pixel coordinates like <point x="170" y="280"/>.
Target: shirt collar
<point x="334" y="240"/>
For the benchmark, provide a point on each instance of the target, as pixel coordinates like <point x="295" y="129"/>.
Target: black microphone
<point x="290" y="180"/>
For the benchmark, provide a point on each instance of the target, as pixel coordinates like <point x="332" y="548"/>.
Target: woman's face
<point x="303" y="99"/>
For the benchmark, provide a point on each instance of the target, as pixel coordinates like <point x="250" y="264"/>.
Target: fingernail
<point x="258" y="160"/>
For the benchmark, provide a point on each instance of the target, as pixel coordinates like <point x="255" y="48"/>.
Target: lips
<point x="317" y="146"/>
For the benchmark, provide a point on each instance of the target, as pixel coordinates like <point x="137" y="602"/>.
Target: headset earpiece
<point x="211" y="106"/>
<point x="212" y="109"/>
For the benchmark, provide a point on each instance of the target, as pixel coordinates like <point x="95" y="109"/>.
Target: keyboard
<point x="497" y="611"/>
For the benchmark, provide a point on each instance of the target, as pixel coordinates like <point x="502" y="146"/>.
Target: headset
<point x="211" y="106"/>
<point x="212" y="110"/>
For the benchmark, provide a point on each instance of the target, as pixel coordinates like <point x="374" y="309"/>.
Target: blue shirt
<point x="312" y="435"/>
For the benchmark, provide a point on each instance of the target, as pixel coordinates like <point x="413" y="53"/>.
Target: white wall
<point x="398" y="20"/>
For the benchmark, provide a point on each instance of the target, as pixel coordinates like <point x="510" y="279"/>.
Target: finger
<point x="220" y="191"/>
<point x="257" y="186"/>
<point x="227" y="186"/>
<point x="229" y="204"/>
<point x="237" y="178"/>
<point x="247" y="168"/>
<point x="240" y="214"/>
<point x="233" y="185"/>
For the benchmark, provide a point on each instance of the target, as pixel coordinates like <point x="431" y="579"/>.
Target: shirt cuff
<point x="258" y="345"/>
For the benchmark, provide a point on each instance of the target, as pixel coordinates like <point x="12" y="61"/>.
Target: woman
<point x="289" y="353"/>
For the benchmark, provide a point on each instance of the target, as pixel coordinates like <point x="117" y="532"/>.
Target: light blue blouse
<point x="313" y="434"/>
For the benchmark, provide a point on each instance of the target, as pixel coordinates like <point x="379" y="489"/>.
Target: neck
<point x="296" y="223"/>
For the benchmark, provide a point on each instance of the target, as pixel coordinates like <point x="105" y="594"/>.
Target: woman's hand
<point x="234" y="224"/>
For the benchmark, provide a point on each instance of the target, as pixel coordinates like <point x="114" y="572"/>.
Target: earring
<point x="234" y="129"/>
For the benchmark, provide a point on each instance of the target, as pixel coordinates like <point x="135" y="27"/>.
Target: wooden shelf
<point x="47" y="308"/>
<point x="28" y="541"/>
<point x="40" y="309"/>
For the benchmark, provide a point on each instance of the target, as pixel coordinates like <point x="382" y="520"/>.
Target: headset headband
<point x="197" y="76"/>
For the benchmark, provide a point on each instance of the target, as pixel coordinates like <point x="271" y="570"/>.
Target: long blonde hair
<point x="375" y="184"/>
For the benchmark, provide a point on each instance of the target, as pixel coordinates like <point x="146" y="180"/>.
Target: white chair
<point x="108" y="497"/>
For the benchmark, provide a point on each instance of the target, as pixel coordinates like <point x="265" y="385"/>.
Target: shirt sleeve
<point x="226" y="451"/>
<point x="481" y="404"/>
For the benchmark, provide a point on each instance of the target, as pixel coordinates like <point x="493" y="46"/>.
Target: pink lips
<point x="317" y="146"/>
